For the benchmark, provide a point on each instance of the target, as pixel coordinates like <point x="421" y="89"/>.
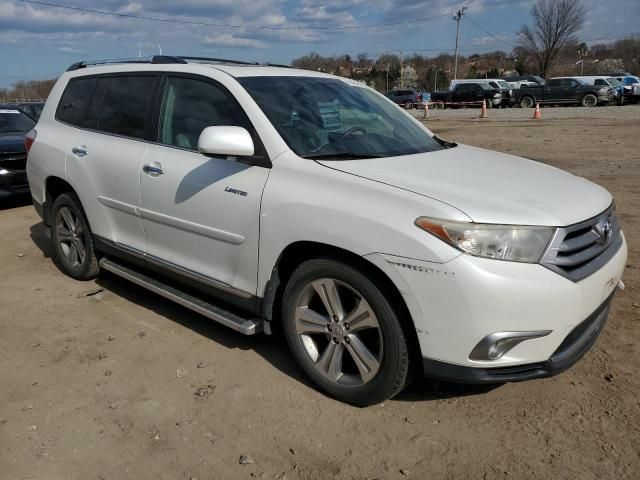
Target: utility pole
<point x="401" y="76"/>
<point x="457" y="17"/>
<point x="582" y="54"/>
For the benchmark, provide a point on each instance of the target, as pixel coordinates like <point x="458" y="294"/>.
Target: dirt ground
<point x="123" y="384"/>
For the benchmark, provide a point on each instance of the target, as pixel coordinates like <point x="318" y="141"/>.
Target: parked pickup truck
<point x="563" y="90"/>
<point x="470" y="92"/>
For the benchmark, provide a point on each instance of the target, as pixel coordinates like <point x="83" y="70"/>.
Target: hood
<point x="488" y="186"/>
<point x="12" y="143"/>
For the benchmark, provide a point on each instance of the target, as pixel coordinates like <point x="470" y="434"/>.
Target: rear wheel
<point x="526" y="102"/>
<point x="344" y="333"/>
<point x="439" y="105"/>
<point x="72" y="239"/>
<point x="589" y="100"/>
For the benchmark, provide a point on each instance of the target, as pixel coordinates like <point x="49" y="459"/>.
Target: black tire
<point x="527" y="102"/>
<point x="393" y="367"/>
<point x="589" y="100"/>
<point x="439" y="105"/>
<point x="82" y="267"/>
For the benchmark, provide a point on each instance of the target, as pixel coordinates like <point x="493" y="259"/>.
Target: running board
<point x="247" y="326"/>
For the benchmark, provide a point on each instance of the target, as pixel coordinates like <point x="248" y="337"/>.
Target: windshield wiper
<point x="443" y="142"/>
<point x="339" y="156"/>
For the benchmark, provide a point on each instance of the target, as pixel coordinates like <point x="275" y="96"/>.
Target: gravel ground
<point x="103" y="380"/>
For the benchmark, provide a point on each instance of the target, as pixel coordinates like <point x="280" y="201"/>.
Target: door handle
<point x="152" y="169"/>
<point x="80" y="151"/>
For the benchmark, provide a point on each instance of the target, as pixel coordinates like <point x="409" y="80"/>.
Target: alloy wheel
<point x="70" y="235"/>
<point x="339" y="332"/>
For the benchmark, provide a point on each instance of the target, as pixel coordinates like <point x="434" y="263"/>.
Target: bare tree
<point x="554" y="24"/>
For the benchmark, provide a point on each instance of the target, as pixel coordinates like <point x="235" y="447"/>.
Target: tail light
<point x="419" y="97"/>
<point x="29" y="139"/>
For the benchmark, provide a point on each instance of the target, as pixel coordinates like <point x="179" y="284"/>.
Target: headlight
<point x="497" y="95"/>
<point x="514" y="243"/>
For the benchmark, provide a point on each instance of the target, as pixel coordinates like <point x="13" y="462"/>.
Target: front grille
<point x="579" y="250"/>
<point x="13" y="161"/>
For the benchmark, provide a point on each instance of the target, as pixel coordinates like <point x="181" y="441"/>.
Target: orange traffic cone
<point x="536" y="114"/>
<point x="426" y="110"/>
<point x="483" y="114"/>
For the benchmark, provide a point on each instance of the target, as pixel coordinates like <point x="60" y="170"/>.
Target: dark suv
<point x="14" y="125"/>
<point x="407" y="98"/>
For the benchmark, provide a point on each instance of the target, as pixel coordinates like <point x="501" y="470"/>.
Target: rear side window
<point x="74" y="101"/>
<point x="554" y="83"/>
<point x="126" y="104"/>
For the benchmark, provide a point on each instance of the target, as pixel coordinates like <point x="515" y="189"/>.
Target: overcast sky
<point x="38" y="41"/>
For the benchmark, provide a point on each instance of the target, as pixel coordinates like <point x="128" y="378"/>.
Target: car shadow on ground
<point x="38" y="234"/>
<point x="15" y="201"/>
<point x="272" y="348"/>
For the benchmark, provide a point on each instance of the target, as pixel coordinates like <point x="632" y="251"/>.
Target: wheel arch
<point x="298" y="252"/>
<point x="54" y="186"/>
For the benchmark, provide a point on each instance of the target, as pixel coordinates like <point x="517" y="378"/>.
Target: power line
<point x="489" y="33"/>
<point x="228" y="25"/>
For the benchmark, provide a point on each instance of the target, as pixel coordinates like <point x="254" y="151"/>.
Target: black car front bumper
<point x="573" y="348"/>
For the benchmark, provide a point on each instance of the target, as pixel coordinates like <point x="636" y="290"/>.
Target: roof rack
<point x="164" y="59"/>
<point x="215" y="60"/>
<point x="154" y="59"/>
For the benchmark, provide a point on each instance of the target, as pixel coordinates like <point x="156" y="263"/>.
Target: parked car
<point x="33" y="109"/>
<point x="472" y="94"/>
<point x="407" y="98"/>
<point x="620" y="91"/>
<point x="503" y="87"/>
<point x="14" y="125"/>
<point x="631" y="82"/>
<point x="564" y="91"/>
<point x="382" y="250"/>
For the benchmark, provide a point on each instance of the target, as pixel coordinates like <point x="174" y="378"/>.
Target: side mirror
<point x="226" y="140"/>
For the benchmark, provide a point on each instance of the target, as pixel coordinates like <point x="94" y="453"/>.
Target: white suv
<point x="258" y="194"/>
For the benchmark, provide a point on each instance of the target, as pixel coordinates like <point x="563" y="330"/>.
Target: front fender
<point x="305" y="201"/>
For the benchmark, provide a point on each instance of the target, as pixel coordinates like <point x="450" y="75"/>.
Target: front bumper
<point x="573" y="348"/>
<point x="454" y="305"/>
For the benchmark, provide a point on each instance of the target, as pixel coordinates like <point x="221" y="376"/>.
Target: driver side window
<point x="189" y="106"/>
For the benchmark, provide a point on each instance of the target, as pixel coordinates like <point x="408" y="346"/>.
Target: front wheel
<point x="344" y="333"/>
<point x="589" y="100"/>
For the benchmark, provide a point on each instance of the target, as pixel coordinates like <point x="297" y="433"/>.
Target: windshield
<point x="14" y="121"/>
<point x="614" y="82"/>
<point x="324" y="117"/>
<point x="581" y="82"/>
<point x="504" y="84"/>
<point x="538" y="80"/>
